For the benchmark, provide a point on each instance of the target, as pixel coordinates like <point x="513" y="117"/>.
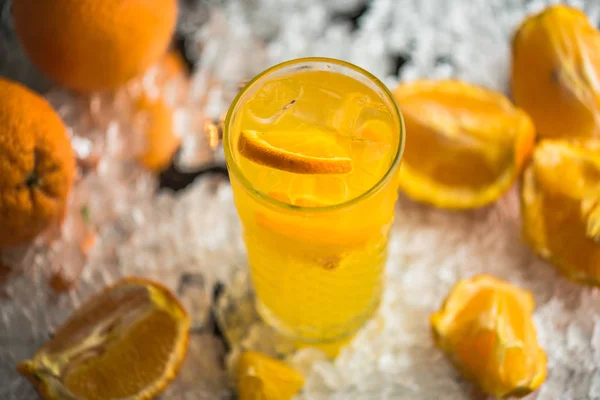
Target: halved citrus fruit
<point x="485" y="327"/>
<point x="300" y="152"/>
<point x="263" y="378"/>
<point x="556" y="70"/>
<point x="560" y="197"/>
<point x="127" y="342"/>
<point x="465" y="144"/>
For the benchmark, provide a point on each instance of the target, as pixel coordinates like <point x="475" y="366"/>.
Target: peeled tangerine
<point x="485" y="328"/>
<point x="128" y="342"/>
<point x="465" y="144"/>
<point x="556" y="72"/>
<point x="157" y="112"/>
<point x="560" y="199"/>
<point x="263" y="378"/>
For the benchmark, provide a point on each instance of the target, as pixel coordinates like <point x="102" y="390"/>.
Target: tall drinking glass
<point x="313" y="148"/>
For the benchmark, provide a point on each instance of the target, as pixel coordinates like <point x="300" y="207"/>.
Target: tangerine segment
<point x="126" y="342"/>
<point x="299" y="152"/>
<point x="556" y="72"/>
<point x="158" y="113"/>
<point x="485" y="328"/>
<point x="560" y="195"/>
<point x="466" y="145"/>
<point x="264" y="378"/>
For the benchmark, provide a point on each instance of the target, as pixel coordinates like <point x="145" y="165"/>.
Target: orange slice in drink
<point x="485" y="327"/>
<point x="127" y="342"/>
<point x="262" y="377"/>
<point x="305" y="152"/>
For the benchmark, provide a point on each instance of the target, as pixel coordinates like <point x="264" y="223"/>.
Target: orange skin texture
<point x="94" y="45"/>
<point x="37" y="165"/>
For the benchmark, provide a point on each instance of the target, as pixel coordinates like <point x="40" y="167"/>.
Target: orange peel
<point x="126" y="342"/>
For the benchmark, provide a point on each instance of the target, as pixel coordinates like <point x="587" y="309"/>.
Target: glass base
<point x="330" y="346"/>
<point x="247" y="324"/>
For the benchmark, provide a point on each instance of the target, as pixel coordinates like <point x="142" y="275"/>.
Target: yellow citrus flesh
<point x="485" y="327"/>
<point x="556" y="72"/>
<point x="465" y="144"/>
<point x="158" y="114"/>
<point x="126" y="342"/>
<point x="560" y="194"/>
<point x="263" y="378"/>
<point x="316" y="153"/>
<point x="161" y="141"/>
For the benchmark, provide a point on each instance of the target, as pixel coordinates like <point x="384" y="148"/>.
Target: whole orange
<point x="90" y="45"/>
<point x="37" y="165"/>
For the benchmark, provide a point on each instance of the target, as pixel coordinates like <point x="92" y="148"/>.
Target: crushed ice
<point x="191" y="240"/>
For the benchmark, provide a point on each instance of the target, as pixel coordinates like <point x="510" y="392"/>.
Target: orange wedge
<point x="310" y="152"/>
<point x="465" y="144"/>
<point x="560" y="202"/>
<point x="556" y="70"/>
<point x="263" y="378"/>
<point x="485" y="326"/>
<point x="127" y="342"/>
<point x="158" y="114"/>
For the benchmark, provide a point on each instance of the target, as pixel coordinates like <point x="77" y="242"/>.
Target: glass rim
<point x="234" y="168"/>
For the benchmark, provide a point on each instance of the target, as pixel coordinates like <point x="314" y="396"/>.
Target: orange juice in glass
<point x="313" y="148"/>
